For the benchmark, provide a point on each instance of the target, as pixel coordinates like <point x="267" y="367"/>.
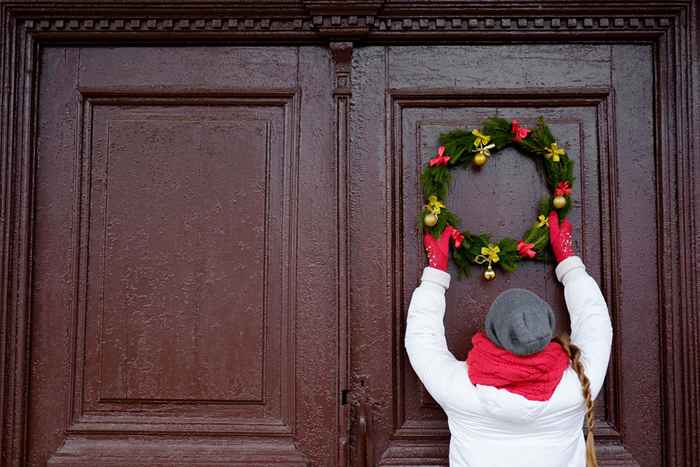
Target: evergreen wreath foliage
<point x="463" y="148"/>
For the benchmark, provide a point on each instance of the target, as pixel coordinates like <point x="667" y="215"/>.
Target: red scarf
<point x="534" y="377"/>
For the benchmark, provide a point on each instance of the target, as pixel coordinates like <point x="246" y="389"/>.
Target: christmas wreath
<point x="461" y="148"/>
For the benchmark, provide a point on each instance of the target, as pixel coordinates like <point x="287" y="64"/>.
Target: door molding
<point x="671" y="27"/>
<point x="317" y="21"/>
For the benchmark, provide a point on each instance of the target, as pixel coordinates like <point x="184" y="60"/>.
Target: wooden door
<point x="192" y="187"/>
<point x="183" y="299"/>
<point x="598" y="100"/>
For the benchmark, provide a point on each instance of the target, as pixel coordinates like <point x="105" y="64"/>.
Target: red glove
<point x="438" y="250"/>
<point x="560" y="237"/>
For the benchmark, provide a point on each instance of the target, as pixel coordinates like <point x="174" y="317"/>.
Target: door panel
<point x="177" y="282"/>
<point x="599" y="102"/>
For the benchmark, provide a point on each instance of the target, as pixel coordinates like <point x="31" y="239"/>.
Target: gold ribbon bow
<point x="481" y="139"/>
<point x="434" y="204"/>
<point x="484" y="150"/>
<point x="554" y="152"/>
<point x="488" y="254"/>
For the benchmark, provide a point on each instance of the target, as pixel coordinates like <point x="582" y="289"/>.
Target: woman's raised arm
<point x="591" y="328"/>
<point x="425" y="332"/>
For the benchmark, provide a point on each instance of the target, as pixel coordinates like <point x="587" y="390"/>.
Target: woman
<point x="521" y="397"/>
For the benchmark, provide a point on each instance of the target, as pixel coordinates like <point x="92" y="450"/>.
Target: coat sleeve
<point x="591" y="329"/>
<point x="425" y="335"/>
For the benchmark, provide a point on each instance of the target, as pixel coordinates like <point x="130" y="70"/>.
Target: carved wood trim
<point x="680" y="326"/>
<point x="341" y="53"/>
<point x="331" y="20"/>
<point x="278" y="452"/>
<point x="670" y="26"/>
<point x="348" y="27"/>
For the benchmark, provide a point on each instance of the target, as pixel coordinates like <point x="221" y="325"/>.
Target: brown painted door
<point x="599" y="102"/>
<point x="184" y="276"/>
<point x="183" y="295"/>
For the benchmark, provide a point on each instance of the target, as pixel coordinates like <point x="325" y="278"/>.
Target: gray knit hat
<point x="520" y="321"/>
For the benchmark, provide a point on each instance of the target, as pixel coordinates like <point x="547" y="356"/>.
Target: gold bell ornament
<point x="483" y="148"/>
<point x="430" y="220"/>
<point x="434" y="206"/>
<point x="559" y="202"/>
<point x="489" y="274"/>
<point x="482" y="154"/>
<point x="562" y="190"/>
<point x="479" y="160"/>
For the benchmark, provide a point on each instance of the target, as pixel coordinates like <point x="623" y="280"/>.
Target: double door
<point x="224" y="244"/>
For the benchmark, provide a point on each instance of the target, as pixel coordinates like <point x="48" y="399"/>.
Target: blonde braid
<point x="574" y="354"/>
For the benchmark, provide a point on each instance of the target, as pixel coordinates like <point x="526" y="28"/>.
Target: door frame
<point x="671" y="27"/>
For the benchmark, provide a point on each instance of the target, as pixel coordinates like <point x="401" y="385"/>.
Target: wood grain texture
<point x="668" y="29"/>
<point x="166" y="241"/>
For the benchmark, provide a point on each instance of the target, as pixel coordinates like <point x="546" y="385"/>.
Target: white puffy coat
<point x="493" y="427"/>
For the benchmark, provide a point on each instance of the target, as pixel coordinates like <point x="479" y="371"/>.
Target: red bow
<point x="457" y="237"/>
<point x="563" y="189"/>
<point x="440" y="159"/>
<point x="519" y="131"/>
<point x="526" y="249"/>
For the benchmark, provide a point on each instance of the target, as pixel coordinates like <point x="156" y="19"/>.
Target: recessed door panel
<point x="170" y="243"/>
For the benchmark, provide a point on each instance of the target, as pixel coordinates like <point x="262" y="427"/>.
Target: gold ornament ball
<point x="430" y="219"/>
<point x="559" y="202"/>
<point x="479" y="160"/>
<point x="489" y="274"/>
